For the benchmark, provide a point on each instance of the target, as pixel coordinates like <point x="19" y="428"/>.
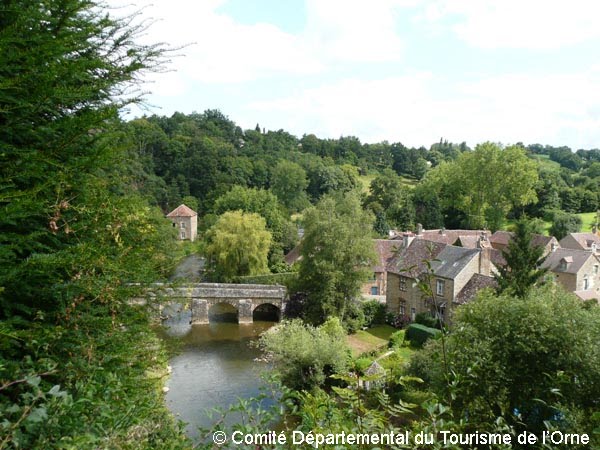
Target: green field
<point x="368" y="340"/>
<point x="365" y="180"/>
<point x="545" y="162"/>
<point x="589" y="219"/>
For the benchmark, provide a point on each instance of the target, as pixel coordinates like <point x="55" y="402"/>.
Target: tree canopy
<point x="237" y="245"/>
<point x="337" y="255"/>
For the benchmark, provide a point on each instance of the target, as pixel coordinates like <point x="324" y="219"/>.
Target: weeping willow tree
<point x="238" y="245"/>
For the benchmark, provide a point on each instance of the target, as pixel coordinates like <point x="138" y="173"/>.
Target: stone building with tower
<point x="186" y="221"/>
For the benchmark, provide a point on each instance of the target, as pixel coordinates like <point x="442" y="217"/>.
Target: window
<point x="374" y="290"/>
<point x="182" y="235"/>
<point x="586" y="283"/>
<point x="182" y="225"/>
<point x="402" y="310"/>
<point x="413" y="314"/>
<point x="439" y="287"/>
<point x="373" y="277"/>
<point x="403" y="284"/>
<point x="596" y="269"/>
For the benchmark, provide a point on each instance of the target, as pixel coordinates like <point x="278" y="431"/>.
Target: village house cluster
<point x="456" y="264"/>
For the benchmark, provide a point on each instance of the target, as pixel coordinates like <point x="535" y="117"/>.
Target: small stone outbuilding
<point x="186" y="221"/>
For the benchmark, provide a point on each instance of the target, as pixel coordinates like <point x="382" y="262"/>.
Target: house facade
<point x="452" y="276"/>
<point x="376" y="286"/>
<point x="578" y="271"/>
<point x="186" y="221"/>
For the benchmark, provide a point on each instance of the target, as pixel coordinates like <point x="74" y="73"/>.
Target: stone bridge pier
<point x="243" y="297"/>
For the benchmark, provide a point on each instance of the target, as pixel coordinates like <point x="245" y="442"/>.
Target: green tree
<point x="303" y="355"/>
<point x="69" y="70"/>
<point x="533" y="361"/>
<point x="564" y="223"/>
<point x="289" y="183"/>
<point x="485" y="184"/>
<point x="389" y="196"/>
<point x="523" y="260"/>
<point x="237" y="245"/>
<point x="74" y="234"/>
<point x="337" y="256"/>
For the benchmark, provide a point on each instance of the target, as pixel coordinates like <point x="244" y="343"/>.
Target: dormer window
<point x="564" y="262"/>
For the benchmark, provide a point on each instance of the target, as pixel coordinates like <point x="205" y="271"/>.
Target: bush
<point x="354" y="319"/>
<point x="428" y="320"/>
<point x="374" y="312"/>
<point x="396" y="339"/>
<point x="305" y="356"/>
<point x="419" y="334"/>
<point x="397" y="320"/>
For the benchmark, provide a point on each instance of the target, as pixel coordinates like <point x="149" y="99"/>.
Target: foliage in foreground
<point x="534" y="361"/>
<point x="85" y="383"/>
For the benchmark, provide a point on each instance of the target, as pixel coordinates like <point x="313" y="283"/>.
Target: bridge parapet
<point x="244" y="297"/>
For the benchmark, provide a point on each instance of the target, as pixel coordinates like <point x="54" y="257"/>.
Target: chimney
<point x="442" y="231"/>
<point x="485" y="263"/>
<point x="419" y="229"/>
<point x="553" y="247"/>
<point x="407" y="238"/>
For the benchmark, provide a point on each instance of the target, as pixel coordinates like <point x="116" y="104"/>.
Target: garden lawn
<point x="365" y="341"/>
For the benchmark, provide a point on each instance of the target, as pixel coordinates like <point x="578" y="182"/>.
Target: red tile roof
<point x="182" y="211"/>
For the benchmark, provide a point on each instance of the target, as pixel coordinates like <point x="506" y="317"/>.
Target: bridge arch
<point x="223" y="311"/>
<point x="266" y="311"/>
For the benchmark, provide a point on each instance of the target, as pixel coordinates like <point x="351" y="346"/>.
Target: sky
<point x="410" y="71"/>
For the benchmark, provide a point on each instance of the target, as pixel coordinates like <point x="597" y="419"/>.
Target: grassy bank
<point x="365" y="341"/>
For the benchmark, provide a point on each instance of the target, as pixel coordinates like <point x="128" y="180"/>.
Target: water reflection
<point x="215" y="368"/>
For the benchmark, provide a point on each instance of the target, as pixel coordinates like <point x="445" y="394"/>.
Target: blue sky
<point x="410" y="71"/>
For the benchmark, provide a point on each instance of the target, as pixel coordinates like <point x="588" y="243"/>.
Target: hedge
<point x="418" y="334"/>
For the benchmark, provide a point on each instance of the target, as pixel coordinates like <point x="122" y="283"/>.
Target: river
<point x="215" y="367"/>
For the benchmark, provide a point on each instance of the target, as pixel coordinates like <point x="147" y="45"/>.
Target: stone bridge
<point x="243" y="297"/>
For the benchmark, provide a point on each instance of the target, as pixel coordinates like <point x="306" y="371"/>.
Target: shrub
<point x="374" y="312"/>
<point x="397" y="320"/>
<point x="428" y="320"/>
<point x="419" y="334"/>
<point x="396" y="339"/>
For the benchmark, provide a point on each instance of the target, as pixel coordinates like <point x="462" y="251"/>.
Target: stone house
<point x="186" y="221"/>
<point x="500" y="239"/>
<point x="376" y="286"/>
<point x="578" y="271"/>
<point x="454" y="275"/>
<point x="582" y="241"/>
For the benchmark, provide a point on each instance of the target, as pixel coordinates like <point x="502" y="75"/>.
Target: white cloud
<point x="534" y="24"/>
<point x="354" y="30"/>
<point x="511" y="108"/>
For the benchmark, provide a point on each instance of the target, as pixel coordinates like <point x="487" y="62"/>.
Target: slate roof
<point x="502" y="238"/>
<point x="468" y="241"/>
<point x="385" y="249"/>
<point x="579" y="258"/>
<point x="584" y="240"/>
<point x="474" y="285"/>
<point x="182" y="211"/>
<point x="448" y="237"/>
<point x="292" y="256"/>
<point x="452" y="260"/>
<point x="410" y="261"/>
